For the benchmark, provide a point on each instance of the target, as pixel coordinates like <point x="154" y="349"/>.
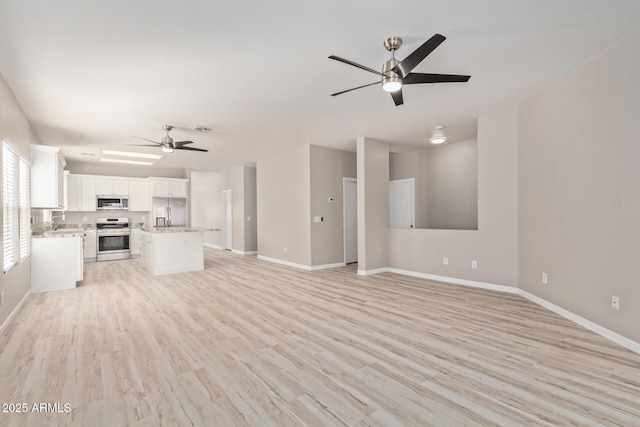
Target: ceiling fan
<point x="397" y="73"/>
<point x="167" y="143"/>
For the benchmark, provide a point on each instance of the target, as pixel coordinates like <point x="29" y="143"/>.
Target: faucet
<point x="56" y="216"/>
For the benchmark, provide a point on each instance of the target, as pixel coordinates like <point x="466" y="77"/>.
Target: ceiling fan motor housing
<point x="391" y="81"/>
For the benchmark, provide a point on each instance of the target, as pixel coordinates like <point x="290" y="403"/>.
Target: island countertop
<point x="177" y="229"/>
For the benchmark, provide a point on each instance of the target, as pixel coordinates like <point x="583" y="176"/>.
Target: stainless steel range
<point x="113" y="239"/>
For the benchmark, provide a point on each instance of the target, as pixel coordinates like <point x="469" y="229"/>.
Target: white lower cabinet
<point x="146" y="246"/>
<point x="56" y="263"/>
<point x="136" y="242"/>
<point x="90" y="245"/>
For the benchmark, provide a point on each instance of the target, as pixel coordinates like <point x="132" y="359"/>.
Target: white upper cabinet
<point x="88" y="194"/>
<point x="168" y="187"/>
<point x="112" y="187"/>
<point x="139" y="195"/>
<point x="47" y="177"/>
<point x="74" y="193"/>
<point x="81" y="193"/>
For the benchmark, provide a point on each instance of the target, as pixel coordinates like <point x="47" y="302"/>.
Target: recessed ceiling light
<point x="132" y="154"/>
<point x="129" y="162"/>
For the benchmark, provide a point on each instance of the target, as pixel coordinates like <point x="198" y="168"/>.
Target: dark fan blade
<point x="145" y="139"/>
<point x="181" y="143"/>
<point x="346" y="61"/>
<point x="192" y="149"/>
<point x="359" y="87"/>
<point x="141" y="145"/>
<point x="397" y="97"/>
<point x="415" y="78"/>
<point x="416" y="57"/>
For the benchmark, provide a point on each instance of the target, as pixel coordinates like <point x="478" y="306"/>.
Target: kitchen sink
<point x="63" y="231"/>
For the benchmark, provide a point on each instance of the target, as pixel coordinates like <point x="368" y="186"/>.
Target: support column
<point x="373" y="205"/>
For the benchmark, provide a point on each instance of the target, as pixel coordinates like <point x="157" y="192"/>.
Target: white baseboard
<point x="209" y="245"/>
<point x="463" y="282"/>
<point x="283" y="262"/>
<point x="14" y="312"/>
<point x="236" y="251"/>
<point x="594" y="327"/>
<point x="371" y="272"/>
<point x="300" y="266"/>
<point x="324" y="266"/>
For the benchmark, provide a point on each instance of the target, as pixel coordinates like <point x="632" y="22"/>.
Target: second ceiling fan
<point x="397" y="73"/>
<point x="167" y="144"/>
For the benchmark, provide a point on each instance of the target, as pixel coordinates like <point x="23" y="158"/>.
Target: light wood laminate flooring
<point x="247" y="342"/>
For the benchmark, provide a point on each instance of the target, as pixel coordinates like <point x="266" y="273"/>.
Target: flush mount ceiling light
<point x="129" y="162"/>
<point x="438" y="136"/>
<point x="132" y="154"/>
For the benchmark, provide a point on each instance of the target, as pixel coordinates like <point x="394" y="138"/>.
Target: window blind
<point x="25" y="210"/>
<point x="10" y="206"/>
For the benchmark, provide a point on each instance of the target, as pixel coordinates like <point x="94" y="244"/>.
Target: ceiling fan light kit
<point x="396" y="73"/>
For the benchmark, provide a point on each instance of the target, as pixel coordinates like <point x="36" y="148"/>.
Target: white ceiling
<point x="91" y="74"/>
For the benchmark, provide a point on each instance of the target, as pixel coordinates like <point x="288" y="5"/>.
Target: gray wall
<point x="373" y="204"/>
<point x="15" y="127"/>
<point x="243" y="191"/>
<point x="579" y="189"/>
<point x="283" y="208"/>
<point x="250" y="210"/>
<point x="452" y="177"/>
<point x="328" y="167"/>
<point x="494" y="244"/>
<point x="446" y="184"/>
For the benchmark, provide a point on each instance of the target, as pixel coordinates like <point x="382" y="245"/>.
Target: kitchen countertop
<point x="63" y="230"/>
<point x="177" y="229"/>
<point x="57" y="233"/>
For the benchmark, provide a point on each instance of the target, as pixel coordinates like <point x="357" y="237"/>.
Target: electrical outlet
<point x="248" y="218"/>
<point x="84" y="218"/>
<point x="142" y="218"/>
<point x="285" y="249"/>
<point x="615" y="302"/>
<point x="445" y="261"/>
<point x="545" y="279"/>
<point x="474" y="264"/>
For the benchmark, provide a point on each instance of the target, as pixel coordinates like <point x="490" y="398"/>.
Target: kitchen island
<point x="170" y="250"/>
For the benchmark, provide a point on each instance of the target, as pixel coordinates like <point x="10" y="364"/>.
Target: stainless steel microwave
<point x="105" y="203"/>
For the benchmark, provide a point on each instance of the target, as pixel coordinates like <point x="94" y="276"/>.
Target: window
<point x="25" y="210"/>
<point x="16" y="232"/>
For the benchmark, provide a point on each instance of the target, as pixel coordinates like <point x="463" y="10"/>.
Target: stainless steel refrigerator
<point x="169" y="212"/>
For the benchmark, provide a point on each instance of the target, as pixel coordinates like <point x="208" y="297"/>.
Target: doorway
<point x="227" y="221"/>
<point x="350" y="219"/>
<point x="402" y="210"/>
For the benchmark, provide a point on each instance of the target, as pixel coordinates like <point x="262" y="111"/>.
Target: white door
<point x="402" y="203"/>
<point x="350" y="216"/>
<point x="227" y="221"/>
